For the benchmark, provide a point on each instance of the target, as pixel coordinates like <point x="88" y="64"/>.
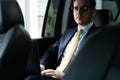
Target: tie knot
<point x="80" y="31"/>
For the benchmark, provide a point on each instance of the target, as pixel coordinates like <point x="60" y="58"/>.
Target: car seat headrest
<point x="103" y="17"/>
<point x="10" y="14"/>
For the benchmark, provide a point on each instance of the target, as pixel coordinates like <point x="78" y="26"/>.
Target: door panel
<point x="44" y="44"/>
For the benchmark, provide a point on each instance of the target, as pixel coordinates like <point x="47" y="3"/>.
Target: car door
<point x="53" y="24"/>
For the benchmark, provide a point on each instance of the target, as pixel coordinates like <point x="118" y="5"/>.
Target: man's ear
<point x="94" y="12"/>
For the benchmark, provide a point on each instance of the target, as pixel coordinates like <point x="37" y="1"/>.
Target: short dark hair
<point x="92" y="3"/>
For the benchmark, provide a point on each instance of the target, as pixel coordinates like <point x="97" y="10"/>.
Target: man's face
<point x="82" y="12"/>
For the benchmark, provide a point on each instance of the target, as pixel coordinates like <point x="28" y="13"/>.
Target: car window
<point x="111" y="4"/>
<point x="49" y="25"/>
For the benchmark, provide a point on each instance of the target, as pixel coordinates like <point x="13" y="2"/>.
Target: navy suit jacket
<point x="52" y="57"/>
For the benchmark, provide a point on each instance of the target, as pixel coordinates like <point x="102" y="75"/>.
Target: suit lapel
<point x="65" y="40"/>
<point x="91" y="30"/>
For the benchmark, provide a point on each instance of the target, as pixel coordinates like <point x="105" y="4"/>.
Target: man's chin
<point x="79" y="23"/>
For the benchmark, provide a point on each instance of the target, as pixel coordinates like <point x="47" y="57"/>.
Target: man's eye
<point x="76" y="8"/>
<point x="84" y="8"/>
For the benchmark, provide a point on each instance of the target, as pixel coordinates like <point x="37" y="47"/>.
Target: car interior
<point x="20" y="55"/>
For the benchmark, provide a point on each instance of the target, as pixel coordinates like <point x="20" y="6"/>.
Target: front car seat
<point x="99" y="57"/>
<point x="15" y="41"/>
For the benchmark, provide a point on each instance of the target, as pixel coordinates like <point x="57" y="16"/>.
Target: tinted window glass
<point x="51" y="19"/>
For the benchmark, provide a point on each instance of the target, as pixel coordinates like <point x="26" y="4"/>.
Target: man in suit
<point x="83" y="11"/>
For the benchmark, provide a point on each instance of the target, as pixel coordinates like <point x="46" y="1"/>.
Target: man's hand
<point x="53" y="73"/>
<point x="42" y="68"/>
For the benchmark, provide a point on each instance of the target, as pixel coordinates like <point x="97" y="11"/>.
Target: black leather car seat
<point x="103" y="17"/>
<point x="15" y="41"/>
<point x="99" y="58"/>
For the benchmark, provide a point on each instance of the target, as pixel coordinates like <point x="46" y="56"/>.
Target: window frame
<point x="58" y="23"/>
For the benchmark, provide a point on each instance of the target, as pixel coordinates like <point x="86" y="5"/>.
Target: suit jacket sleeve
<point x="49" y="59"/>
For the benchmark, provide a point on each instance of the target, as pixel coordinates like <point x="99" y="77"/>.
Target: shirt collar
<point x="86" y="27"/>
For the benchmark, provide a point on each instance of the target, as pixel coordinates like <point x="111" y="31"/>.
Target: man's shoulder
<point x="71" y="29"/>
<point x="94" y="27"/>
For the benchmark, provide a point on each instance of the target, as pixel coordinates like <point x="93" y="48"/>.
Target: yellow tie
<point x="69" y="54"/>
